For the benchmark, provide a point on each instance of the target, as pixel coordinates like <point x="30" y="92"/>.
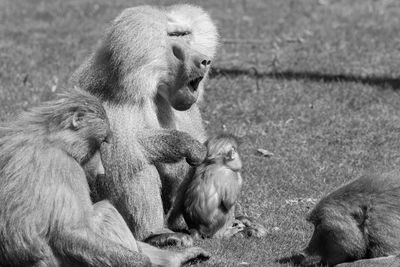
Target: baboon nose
<point x="206" y="62"/>
<point x="202" y="62"/>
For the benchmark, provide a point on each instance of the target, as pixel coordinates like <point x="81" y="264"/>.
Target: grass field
<point x="320" y="92"/>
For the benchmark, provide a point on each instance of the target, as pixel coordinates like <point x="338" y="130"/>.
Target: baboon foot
<point x="192" y="255"/>
<point x="251" y="228"/>
<point x="235" y="228"/>
<point x="195" y="234"/>
<point x="170" y="239"/>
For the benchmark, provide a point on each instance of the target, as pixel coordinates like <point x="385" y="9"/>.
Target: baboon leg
<point x="87" y="247"/>
<point x="111" y="225"/>
<point x="160" y="257"/>
<point x="108" y="223"/>
<point x="230" y="228"/>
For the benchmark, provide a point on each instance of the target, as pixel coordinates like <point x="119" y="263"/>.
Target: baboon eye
<point x="179" y="34"/>
<point x="107" y="139"/>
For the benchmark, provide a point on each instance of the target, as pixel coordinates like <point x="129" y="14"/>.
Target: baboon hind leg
<point x="108" y="222"/>
<point x="104" y="241"/>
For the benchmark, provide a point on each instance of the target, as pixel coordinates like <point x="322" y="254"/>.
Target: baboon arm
<point x="178" y="203"/>
<point x="158" y="257"/>
<point x="162" y="257"/>
<point x="227" y="188"/>
<point x="169" y="146"/>
<point x="174" y="213"/>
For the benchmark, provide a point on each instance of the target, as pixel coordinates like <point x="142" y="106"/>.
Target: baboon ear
<point x="77" y="119"/>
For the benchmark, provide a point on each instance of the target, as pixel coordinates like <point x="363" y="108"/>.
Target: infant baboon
<point x="360" y="220"/>
<point x="207" y="199"/>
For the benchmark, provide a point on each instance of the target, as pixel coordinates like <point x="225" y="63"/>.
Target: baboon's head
<point x="149" y="51"/>
<point x="190" y="48"/>
<point x="339" y="233"/>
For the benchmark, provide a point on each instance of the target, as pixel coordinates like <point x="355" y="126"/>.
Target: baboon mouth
<point x="194" y="84"/>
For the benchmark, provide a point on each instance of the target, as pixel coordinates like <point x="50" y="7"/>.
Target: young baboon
<point x="207" y="200"/>
<point x="46" y="215"/>
<point x="360" y="220"/>
<point x="149" y="72"/>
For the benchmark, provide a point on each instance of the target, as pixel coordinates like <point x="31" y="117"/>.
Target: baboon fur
<point x="142" y="72"/>
<point x="46" y="215"/>
<point x="360" y="220"/>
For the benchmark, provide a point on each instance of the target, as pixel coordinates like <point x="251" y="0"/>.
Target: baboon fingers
<point x="197" y="155"/>
<point x="170" y="239"/>
<point x="193" y="255"/>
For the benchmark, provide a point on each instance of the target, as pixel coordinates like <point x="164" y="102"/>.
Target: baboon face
<point x="92" y="127"/>
<point x="186" y="71"/>
<point x="94" y="166"/>
<point x="191" y="41"/>
<point x="150" y="51"/>
<point x="337" y="237"/>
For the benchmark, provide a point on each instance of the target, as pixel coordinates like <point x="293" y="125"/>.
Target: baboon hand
<point x="193" y="255"/>
<point x="170" y="239"/>
<point x="197" y="154"/>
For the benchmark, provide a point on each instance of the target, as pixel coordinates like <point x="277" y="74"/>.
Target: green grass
<point x="325" y="99"/>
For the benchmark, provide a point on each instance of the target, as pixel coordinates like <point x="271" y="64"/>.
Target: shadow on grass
<point x="300" y="260"/>
<point x="380" y="81"/>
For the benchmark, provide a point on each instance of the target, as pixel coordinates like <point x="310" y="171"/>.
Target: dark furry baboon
<point x="360" y="220"/>
<point x="149" y="72"/>
<point x="46" y="215"/>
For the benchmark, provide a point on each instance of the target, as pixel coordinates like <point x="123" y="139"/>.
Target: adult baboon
<point x="149" y="72"/>
<point x="46" y="215"/>
<point x="360" y="220"/>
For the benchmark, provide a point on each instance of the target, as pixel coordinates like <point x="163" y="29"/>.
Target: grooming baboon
<point x="46" y="215"/>
<point x="207" y="199"/>
<point x="149" y="72"/>
<point x="360" y="220"/>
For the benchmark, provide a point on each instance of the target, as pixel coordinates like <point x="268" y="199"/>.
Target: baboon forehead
<point x="223" y="141"/>
<point x="139" y="35"/>
<point x="140" y="20"/>
<point x="196" y="21"/>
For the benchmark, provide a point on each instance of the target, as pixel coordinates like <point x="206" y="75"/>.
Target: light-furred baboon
<point x="149" y="72"/>
<point x="207" y="199"/>
<point x="358" y="221"/>
<point x="46" y="215"/>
